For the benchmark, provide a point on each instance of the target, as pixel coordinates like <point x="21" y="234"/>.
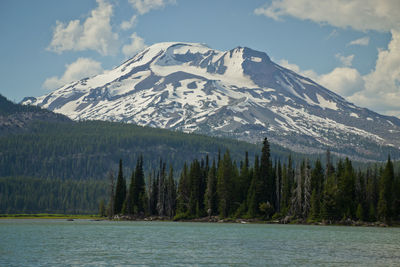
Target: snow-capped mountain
<point x="239" y="93"/>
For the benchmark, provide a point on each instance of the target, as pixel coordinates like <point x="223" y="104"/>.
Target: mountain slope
<point x="16" y="118"/>
<point x="239" y="93"/>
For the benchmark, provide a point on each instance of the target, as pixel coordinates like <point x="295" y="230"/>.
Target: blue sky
<point x="351" y="47"/>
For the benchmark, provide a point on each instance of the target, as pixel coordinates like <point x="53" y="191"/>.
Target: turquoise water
<point x="105" y="243"/>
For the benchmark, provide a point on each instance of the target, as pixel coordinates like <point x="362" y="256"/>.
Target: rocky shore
<point x="286" y="220"/>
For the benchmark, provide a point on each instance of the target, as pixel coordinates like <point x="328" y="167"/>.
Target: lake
<point x="26" y="242"/>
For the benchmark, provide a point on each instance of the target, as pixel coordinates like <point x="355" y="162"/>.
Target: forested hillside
<point x="34" y="195"/>
<point x="88" y="150"/>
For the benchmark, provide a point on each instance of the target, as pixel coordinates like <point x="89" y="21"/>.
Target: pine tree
<point x="329" y="206"/>
<point x="244" y="180"/>
<point x="211" y="192"/>
<point x="161" y="190"/>
<point x="307" y="190"/>
<point x="129" y="202"/>
<point x="120" y="191"/>
<point x="266" y="177"/>
<point x="346" y="190"/>
<point x="386" y="186"/>
<point x="278" y="185"/>
<point x="171" y="194"/>
<point x="183" y="192"/>
<point x="110" y="211"/>
<point x="152" y="195"/>
<point x="287" y="182"/>
<point x="372" y="194"/>
<point x="254" y="189"/>
<point x="297" y="194"/>
<point x="225" y="186"/>
<point x="317" y="177"/>
<point x="196" y="201"/>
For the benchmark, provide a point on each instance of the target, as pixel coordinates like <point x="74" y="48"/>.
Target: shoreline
<point x="50" y="216"/>
<point x="213" y="219"/>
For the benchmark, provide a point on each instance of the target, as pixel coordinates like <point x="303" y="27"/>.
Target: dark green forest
<point x="266" y="190"/>
<point x="88" y="150"/>
<point x="34" y="195"/>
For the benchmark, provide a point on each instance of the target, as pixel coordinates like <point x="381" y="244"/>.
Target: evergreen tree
<point x="225" y="186"/>
<point x="171" y="194"/>
<point x="329" y="209"/>
<point x="139" y="189"/>
<point x="183" y="192"/>
<point x="372" y="194"/>
<point x="278" y="185"/>
<point x="120" y="191"/>
<point x="317" y="177"/>
<point x="196" y="201"/>
<point x="211" y="192"/>
<point x="266" y="176"/>
<point x="306" y="190"/>
<point x="110" y="211"/>
<point x="346" y="190"/>
<point x="287" y="183"/>
<point x="162" y="190"/>
<point x="253" y="196"/>
<point x="244" y="180"/>
<point x="297" y="194"/>
<point x="386" y="186"/>
<point x="129" y="202"/>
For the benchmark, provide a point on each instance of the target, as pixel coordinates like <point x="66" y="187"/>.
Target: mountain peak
<point x="238" y="93"/>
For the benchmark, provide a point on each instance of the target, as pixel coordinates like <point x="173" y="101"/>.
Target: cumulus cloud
<point x="293" y="67"/>
<point x="95" y="33"/>
<point x="364" y="41"/>
<point x="81" y="68"/>
<point x="382" y="85"/>
<point x="128" y="24"/>
<point x="144" y="6"/>
<point x="380" y="15"/>
<point x="137" y="44"/>
<point x="378" y="90"/>
<point x="344" y="81"/>
<point x="346" y="61"/>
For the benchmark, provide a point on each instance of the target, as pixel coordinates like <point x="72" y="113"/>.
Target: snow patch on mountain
<point x="238" y="93"/>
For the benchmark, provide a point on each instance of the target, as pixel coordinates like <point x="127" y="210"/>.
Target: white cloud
<point x="144" y="6"/>
<point x="378" y="90"/>
<point x="382" y="85"/>
<point x="364" y="41"/>
<point x="95" y="33"/>
<point x="81" y="68"/>
<point x="343" y="81"/>
<point x="306" y="73"/>
<point x="135" y="46"/>
<point x="128" y="24"/>
<point x="346" y="61"/>
<point x="380" y="15"/>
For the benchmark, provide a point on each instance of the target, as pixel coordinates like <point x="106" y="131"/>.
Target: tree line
<point x="266" y="189"/>
<point x="35" y="195"/>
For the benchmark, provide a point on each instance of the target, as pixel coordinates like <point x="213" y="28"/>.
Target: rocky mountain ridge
<point x="238" y="93"/>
